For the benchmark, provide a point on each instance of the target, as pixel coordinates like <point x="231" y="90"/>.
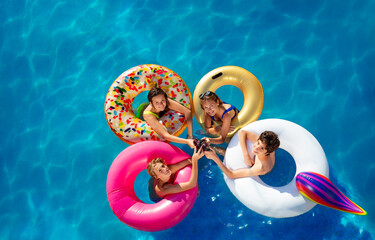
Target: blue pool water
<point x="314" y="59"/>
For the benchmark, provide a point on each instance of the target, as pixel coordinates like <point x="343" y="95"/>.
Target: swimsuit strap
<point x="152" y="113"/>
<point x="140" y="110"/>
<point x="229" y="109"/>
<point x="235" y="112"/>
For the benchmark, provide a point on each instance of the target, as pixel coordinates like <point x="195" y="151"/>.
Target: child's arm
<point x="239" y="173"/>
<point x="242" y="137"/>
<point x="160" y="129"/>
<point x="225" y="127"/>
<point x="181" y="187"/>
<point x="177" y="166"/>
<point x="208" y="125"/>
<point x="187" y="113"/>
<point x="212" y="155"/>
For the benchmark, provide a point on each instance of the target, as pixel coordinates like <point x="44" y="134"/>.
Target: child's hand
<point x="248" y="160"/>
<point x="207" y="140"/>
<point x="191" y="143"/>
<point x="210" y="154"/>
<point x="198" y="153"/>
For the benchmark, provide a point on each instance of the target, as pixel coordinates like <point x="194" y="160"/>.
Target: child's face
<point x="210" y="107"/>
<point x="159" y="103"/>
<point x="259" y="148"/>
<point x="162" y="172"/>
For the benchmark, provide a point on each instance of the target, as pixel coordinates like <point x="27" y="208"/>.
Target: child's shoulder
<point x="227" y="105"/>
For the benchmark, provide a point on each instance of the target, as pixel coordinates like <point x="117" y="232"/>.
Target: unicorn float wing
<point x="321" y="190"/>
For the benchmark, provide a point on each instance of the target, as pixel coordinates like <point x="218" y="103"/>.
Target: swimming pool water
<point x="314" y="59"/>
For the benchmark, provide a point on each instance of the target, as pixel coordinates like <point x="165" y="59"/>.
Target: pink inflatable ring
<point x="123" y="200"/>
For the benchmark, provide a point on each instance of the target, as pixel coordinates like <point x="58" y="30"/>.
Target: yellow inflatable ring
<point x="248" y="84"/>
<point x="118" y="107"/>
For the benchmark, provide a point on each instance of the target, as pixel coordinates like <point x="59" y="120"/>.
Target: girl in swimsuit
<point x="159" y="104"/>
<point x="218" y="111"/>
<point x="161" y="183"/>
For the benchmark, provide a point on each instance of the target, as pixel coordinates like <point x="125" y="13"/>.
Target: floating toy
<point x="321" y="190"/>
<point x="123" y="200"/>
<point x="118" y="107"/>
<point x="284" y="201"/>
<point x="235" y="76"/>
<point x="309" y="183"/>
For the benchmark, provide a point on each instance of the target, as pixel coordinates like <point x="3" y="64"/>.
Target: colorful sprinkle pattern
<point x="119" y="100"/>
<point x="320" y="189"/>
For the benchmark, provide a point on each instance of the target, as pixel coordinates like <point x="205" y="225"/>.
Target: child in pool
<point x="264" y="147"/>
<point x="217" y="111"/>
<point x="161" y="183"/>
<point x="159" y="104"/>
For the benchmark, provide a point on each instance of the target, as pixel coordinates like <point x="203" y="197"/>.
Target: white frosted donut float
<point x="241" y="78"/>
<point x="118" y="107"/>
<point x="284" y="201"/>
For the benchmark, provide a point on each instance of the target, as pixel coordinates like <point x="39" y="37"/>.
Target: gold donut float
<point x="118" y="107"/>
<point x="241" y="78"/>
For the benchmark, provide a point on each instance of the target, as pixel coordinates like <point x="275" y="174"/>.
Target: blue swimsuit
<point x="227" y="110"/>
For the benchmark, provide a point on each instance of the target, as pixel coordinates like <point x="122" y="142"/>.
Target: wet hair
<point x="155" y="91"/>
<point x="209" y="95"/>
<point x="271" y="140"/>
<point x="151" y="166"/>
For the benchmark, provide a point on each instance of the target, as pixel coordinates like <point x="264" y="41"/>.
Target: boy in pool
<point x="264" y="147"/>
<point x="161" y="183"/>
<point x="159" y="104"/>
<point x="217" y="111"/>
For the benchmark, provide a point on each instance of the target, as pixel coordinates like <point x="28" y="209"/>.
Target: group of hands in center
<point x="202" y="147"/>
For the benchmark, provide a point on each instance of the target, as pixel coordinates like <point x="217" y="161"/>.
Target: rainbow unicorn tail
<point x="321" y="190"/>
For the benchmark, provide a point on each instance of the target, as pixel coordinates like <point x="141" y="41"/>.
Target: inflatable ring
<point x="231" y="75"/>
<point x="123" y="200"/>
<point x="118" y="107"/>
<point x="277" y="202"/>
